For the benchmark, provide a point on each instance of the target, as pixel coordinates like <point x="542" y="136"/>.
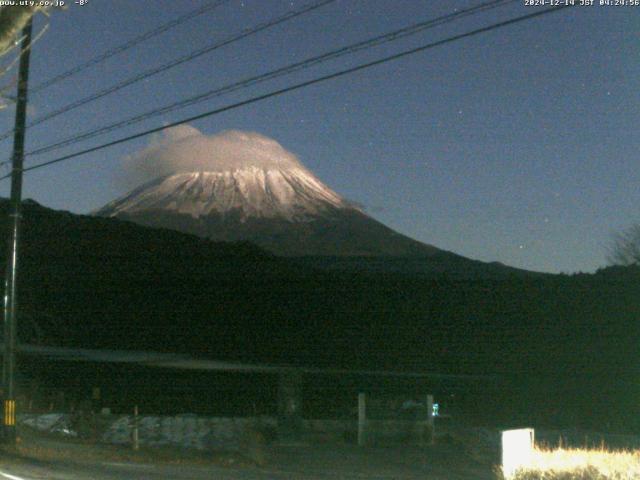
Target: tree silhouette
<point x="625" y="247"/>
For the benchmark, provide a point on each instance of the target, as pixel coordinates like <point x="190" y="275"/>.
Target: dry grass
<point x="581" y="464"/>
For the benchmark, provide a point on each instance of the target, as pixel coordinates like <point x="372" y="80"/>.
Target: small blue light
<point x="436" y="408"/>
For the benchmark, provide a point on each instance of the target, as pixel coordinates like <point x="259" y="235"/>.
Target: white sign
<point x="517" y="450"/>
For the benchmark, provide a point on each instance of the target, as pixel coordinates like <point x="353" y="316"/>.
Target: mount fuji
<point x="242" y="186"/>
<point x="287" y="212"/>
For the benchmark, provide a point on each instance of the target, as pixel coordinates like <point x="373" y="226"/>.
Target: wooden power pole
<point x="11" y="266"/>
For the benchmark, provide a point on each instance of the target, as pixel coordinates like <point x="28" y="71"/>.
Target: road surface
<point x="304" y="463"/>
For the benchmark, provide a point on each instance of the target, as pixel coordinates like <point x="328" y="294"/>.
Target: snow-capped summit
<point x="292" y="194"/>
<point x="244" y="186"/>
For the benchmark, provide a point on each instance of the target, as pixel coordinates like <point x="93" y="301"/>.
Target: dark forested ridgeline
<point x="561" y="342"/>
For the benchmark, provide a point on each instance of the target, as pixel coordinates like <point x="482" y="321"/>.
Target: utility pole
<point x="11" y="266"/>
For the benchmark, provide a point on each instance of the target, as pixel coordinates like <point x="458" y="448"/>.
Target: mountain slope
<point x="287" y="211"/>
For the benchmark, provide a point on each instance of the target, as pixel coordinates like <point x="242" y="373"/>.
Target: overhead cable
<point x="254" y="80"/>
<point x="128" y="45"/>
<point x="299" y="86"/>
<point x="174" y="63"/>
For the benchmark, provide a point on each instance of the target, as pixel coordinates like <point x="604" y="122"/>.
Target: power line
<point x="300" y="85"/>
<point x="129" y="44"/>
<point x="291" y="68"/>
<point x="174" y="63"/>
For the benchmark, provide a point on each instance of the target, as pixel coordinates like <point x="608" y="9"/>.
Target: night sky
<point x="520" y="145"/>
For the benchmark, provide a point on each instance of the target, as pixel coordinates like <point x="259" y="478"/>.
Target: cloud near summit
<point x="186" y="149"/>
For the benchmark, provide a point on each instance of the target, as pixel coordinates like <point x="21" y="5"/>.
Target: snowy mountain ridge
<point x="293" y="194"/>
